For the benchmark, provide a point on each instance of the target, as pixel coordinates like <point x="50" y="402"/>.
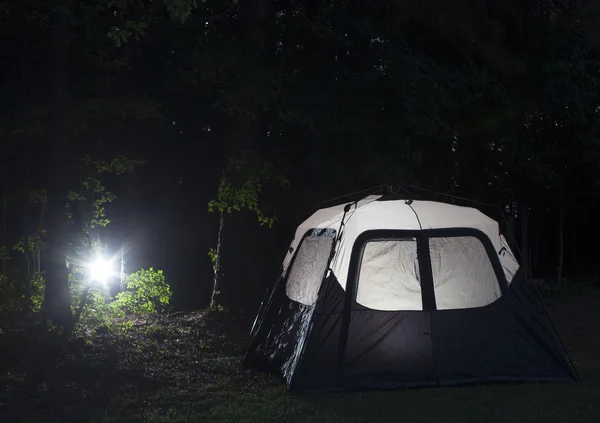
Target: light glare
<point x="100" y="271"/>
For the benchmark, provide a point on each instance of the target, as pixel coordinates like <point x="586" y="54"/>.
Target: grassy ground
<point x="186" y="369"/>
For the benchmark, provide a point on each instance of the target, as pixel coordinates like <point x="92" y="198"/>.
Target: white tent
<point x="387" y="292"/>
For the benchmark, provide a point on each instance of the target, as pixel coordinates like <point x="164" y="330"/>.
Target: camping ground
<point x="185" y="368"/>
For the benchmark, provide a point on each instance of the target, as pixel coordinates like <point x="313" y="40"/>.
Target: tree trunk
<point x="5" y="150"/>
<point x="561" y="247"/>
<point x="83" y="301"/>
<point x="38" y="254"/>
<point x="524" y="215"/>
<point x="24" y="68"/>
<point x="244" y="133"/>
<point x="28" y="254"/>
<point x="217" y="265"/>
<point x="5" y="213"/>
<point x="57" y="301"/>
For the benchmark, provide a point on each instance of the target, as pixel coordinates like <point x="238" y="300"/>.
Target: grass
<point x="186" y="369"/>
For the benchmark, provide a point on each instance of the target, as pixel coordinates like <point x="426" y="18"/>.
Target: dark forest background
<point x="494" y="101"/>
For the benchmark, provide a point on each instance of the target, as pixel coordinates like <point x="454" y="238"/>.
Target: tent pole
<point x="262" y="311"/>
<point x="351" y="194"/>
<point x="328" y="270"/>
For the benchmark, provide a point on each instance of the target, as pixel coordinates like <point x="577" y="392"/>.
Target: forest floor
<point x="186" y="368"/>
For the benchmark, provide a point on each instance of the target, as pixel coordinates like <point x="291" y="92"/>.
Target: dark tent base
<point x="386" y="385"/>
<point x="340" y="345"/>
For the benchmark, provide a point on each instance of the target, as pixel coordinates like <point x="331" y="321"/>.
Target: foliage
<point x="97" y="95"/>
<point x="95" y="193"/>
<point x="212" y="255"/>
<point x="134" y="17"/>
<point x="94" y="197"/>
<point x="36" y="243"/>
<point x="37" y="286"/>
<point x="481" y="101"/>
<point x="13" y="286"/>
<point x="97" y="313"/>
<point x="11" y="292"/>
<point x="242" y="183"/>
<point x="240" y="188"/>
<point x="496" y="102"/>
<point x="86" y="111"/>
<point x="216" y="308"/>
<point x="147" y="293"/>
<point x="245" y="85"/>
<point x="118" y="165"/>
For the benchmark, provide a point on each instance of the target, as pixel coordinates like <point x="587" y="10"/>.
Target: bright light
<point x="100" y="271"/>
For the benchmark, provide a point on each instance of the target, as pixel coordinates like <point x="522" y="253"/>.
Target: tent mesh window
<point x="308" y="268"/>
<point x="389" y="276"/>
<point x="463" y="276"/>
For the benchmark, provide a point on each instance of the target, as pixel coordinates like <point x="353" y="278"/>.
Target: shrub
<point x="147" y="293"/>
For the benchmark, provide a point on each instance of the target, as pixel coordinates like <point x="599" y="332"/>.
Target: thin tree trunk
<point x="243" y="132"/>
<point x="84" y="298"/>
<point x="57" y="301"/>
<point x="524" y="215"/>
<point x="38" y="254"/>
<point x="24" y="68"/>
<point x="93" y="233"/>
<point x="6" y="150"/>
<point x="5" y="213"/>
<point x="217" y="265"/>
<point x="27" y="225"/>
<point x="561" y="244"/>
<point x="28" y="253"/>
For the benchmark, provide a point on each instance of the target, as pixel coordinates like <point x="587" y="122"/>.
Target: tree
<point x="59" y="171"/>
<point x="60" y="126"/>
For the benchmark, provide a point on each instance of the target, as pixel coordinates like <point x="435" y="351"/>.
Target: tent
<point x="387" y="292"/>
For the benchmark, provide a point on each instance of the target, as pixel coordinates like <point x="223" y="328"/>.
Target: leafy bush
<point x="147" y="293"/>
<point x="12" y="292"/>
<point x="13" y="287"/>
<point x="37" y="285"/>
<point x="97" y="311"/>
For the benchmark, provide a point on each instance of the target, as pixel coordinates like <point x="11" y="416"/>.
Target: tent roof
<point x="397" y="214"/>
<point x="370" y="214"/>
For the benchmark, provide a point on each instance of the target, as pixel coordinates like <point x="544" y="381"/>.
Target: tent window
<point x="463" y="275"/>
<point x="308" y="269"/>
<point x="389" y="276"/>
